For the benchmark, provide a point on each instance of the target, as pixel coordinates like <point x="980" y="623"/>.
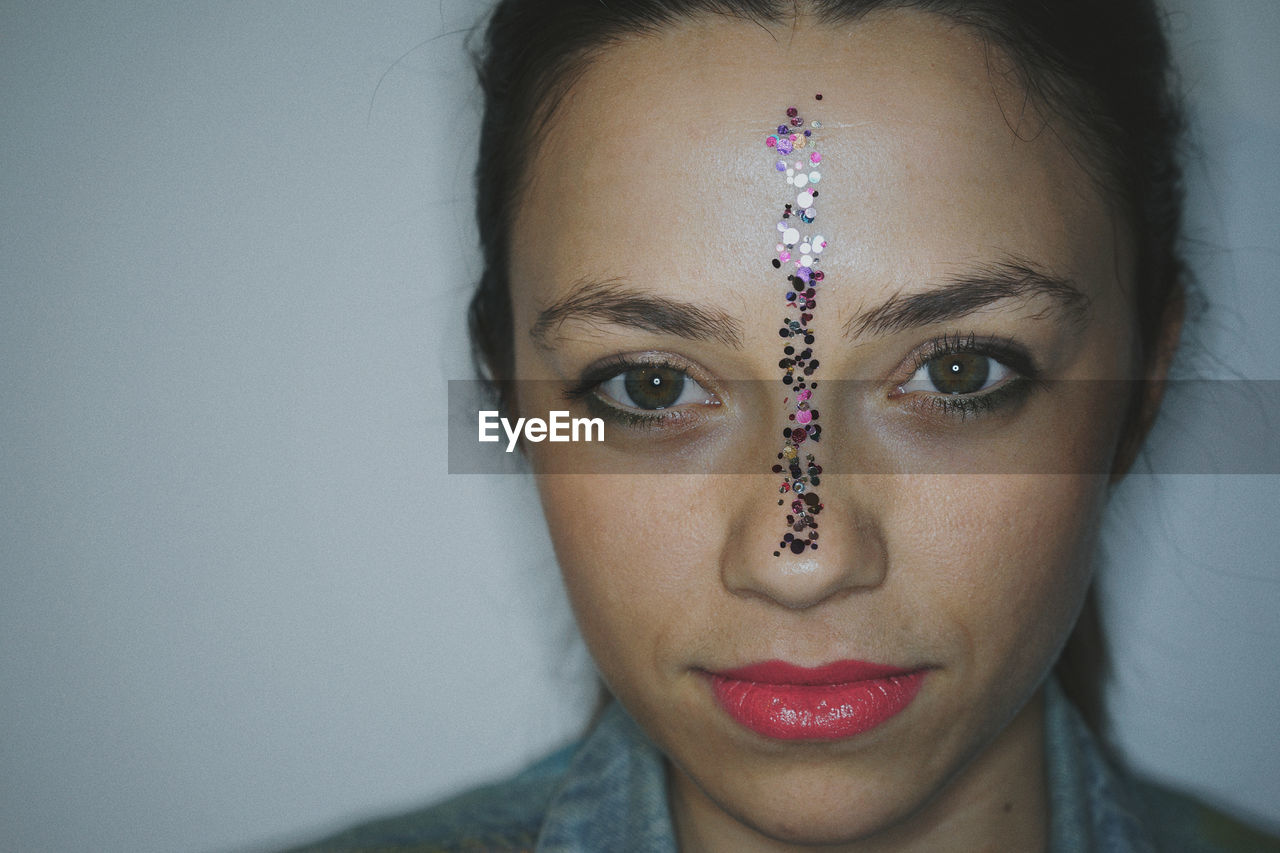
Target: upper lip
<point x="837" y="672"/>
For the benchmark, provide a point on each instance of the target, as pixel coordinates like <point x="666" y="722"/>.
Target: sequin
<point x="800" y="293"/>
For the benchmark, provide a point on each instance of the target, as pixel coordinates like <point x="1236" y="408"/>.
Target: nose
<point x="851" y="553"/>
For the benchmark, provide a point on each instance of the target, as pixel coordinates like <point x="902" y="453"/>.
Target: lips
<point x="787" y="702"/>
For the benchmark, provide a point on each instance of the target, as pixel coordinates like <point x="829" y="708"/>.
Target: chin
<point x="799" y="825"/>
<point x="816" y="808"/>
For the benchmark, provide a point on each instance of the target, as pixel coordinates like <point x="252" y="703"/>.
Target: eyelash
<point x="1007" y="353"/>
<point x="588" y="391"/>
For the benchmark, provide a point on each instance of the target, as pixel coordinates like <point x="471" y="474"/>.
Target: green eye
<point x="653" y="387"/>
<point x="956" y="374"/>
<point x="960" y="373"/>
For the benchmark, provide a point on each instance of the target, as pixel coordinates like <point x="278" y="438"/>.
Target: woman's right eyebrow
<point x="613" y="301"/>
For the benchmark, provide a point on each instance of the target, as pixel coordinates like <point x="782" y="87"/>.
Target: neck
<point x="999" y="801"/>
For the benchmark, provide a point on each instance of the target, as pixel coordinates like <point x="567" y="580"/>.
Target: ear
<point x="1149" y="389"/>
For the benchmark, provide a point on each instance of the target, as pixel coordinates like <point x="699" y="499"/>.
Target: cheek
<point x="1005" y="562"/>
<point x="636" y="553"/>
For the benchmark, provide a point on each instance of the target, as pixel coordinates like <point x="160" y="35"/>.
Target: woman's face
<point x="940" y="555"/>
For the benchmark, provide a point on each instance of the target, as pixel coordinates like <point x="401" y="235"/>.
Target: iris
<point x="960" y="372"/>
<point x="653" y="387"/>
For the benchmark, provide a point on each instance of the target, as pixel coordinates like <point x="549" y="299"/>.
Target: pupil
<point x="963" y="373"/>
<point x="654" y="387"/>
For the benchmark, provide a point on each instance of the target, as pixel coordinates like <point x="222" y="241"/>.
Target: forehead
<point x="654" y="167"/>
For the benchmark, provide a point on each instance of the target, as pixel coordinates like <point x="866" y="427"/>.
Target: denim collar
<point x="1090" y="805"/>
<point x="614" y="795"/>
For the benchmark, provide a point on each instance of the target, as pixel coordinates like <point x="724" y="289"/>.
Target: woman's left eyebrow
<point x="970" y="291"/>
<point x="615" y="302"/>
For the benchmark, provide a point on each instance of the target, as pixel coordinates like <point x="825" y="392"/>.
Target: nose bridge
<point x="851" y="554"/>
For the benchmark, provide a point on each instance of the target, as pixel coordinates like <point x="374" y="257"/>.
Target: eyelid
<point x="1009" y="375"/>
<point x="1006" y="351"/>
<point x="594" y="376"/>
<point x="612" y="365"/>
<point x="689" y="387"/>
<point x="1025" y="377"/>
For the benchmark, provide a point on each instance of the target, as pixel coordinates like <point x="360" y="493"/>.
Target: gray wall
<point x="242" y="601"/>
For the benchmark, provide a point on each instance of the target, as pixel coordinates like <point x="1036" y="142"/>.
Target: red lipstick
<point x="788" y="702"/>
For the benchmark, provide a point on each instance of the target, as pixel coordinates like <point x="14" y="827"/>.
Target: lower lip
<point x="786" y="702"/>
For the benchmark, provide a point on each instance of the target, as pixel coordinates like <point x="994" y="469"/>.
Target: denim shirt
<point x="609" y="793"/>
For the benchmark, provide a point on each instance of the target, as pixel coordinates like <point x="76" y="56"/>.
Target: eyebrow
<point x="616" y="302"/>
<point x="970" y="291"/>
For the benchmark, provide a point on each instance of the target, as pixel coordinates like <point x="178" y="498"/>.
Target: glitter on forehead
<point x="798" y="253"/>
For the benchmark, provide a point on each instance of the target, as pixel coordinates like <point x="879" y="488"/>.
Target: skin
<point x="653" y="172"/>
